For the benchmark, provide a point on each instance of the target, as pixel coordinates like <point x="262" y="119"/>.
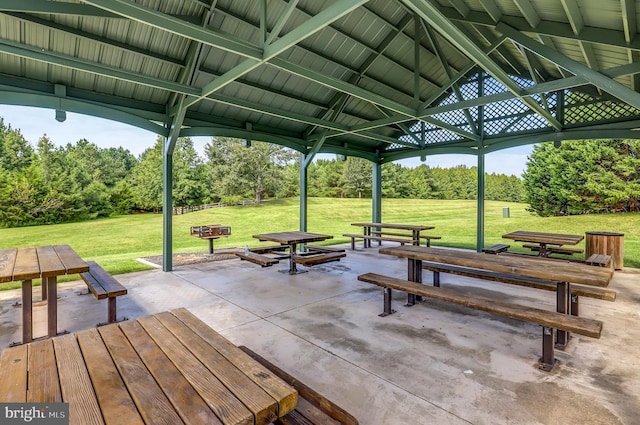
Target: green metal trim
<point x="48" y="56"/>
<point x="49" y="101"/>
<point x="376" y="192"/>
<point x="303" y="192"/>
<point x="597" y="79"/>
<point x="480" y="204"/>
<point x="432" y="14"/>
<point x="56" y="8"/>
<point x="179" y="27"/>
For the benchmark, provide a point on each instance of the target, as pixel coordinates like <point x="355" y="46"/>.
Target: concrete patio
<point x="433" y="363"/>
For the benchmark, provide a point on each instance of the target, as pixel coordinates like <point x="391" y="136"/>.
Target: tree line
<point x="587" y="176"/>
<point x="49" y="184"/>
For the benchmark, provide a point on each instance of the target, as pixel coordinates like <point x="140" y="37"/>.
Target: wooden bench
<point x="312" y="408"/>
<point x="378" y="238"/>
<point x="549" y="320"/>
<point x="315" y="259"/>
<point x="260" y="259"/>
<point x="496" y="248"/>
<point x="268" y="249"/>
<point x="322" y="248"/>
<point x="554" y="249"/>
<point x="103" y="285"/>
<point x="428" y="238"/>
<point x="600" y="260"/>
<point x="547" y="285"/>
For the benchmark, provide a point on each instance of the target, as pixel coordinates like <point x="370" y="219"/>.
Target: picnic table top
<point x="395" y="226"/>
<point x="293" y="237"/>
<point x="555" y="270"/>
<point x="543" y="237"/>
<point x="169" y="367"/>
<point x="38" y="262"/>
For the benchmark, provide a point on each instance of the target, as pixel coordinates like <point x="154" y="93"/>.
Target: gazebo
<point x="381" y="79"/>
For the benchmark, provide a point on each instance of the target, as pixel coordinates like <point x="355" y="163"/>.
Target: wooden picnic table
<point x="292" y="239"/>
<point x="562" y="272"/>
<point x="368" y="229"/>
<point x="168" y="368"/>
<point x="544" y="240"/>
<point x="47" y="263"/>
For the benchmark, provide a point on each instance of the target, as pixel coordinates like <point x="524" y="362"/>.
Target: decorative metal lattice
<point x="582" y="107"/>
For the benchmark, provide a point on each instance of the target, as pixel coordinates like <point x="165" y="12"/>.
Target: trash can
<point x="608" y="243"/>
<point x="505" y="212"/>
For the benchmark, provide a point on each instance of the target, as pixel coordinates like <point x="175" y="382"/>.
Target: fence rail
<point x="188" y="209"/>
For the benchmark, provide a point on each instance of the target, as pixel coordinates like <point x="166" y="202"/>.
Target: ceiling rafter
<point x="432" y="15"/>
<point x="601" y="36"/>
<point x="67" y="61"/>
<point x="101" y="40"/>
<point x="597" y="79"/>
<point x="364" y="45"/>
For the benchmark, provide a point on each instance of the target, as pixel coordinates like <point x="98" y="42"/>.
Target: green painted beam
<point x="142" y="14"/>
<point x="342" y="86"/>
<point x="53" y="102"/>
<point x="431" y="14"/>
<point x="601" y="36"/>
<point x="48" y="56"/>
<point x="596" y="78"/>
<point x="53" y="7"/>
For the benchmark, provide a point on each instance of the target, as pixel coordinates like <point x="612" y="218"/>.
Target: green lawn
<point x="116" y="242"/>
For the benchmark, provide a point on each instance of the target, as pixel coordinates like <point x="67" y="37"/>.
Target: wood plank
<point x="261" y="260"/>
<point x="273" y="385"/>
<point x="50" y="263"/>
<point x="26" y="265"/>
<point x="115" y="401"/>
<point x="14" y="367"/>
<point x="108" y="282"/>
<point x="44" y="383"/>
<point x="579" y="325"/>
<point x="307" y="393"/>
<point x="312" y="260"/>
<point x="313" y="414"/>
<point x="323" y="248"/>
<point x="513" y="279"/>
<point x="381" y="238"/>
<point x="521" y="264"/>
<point x="287" y="238"/>
<point x="7" y="262"/>
<point x="94" y="286"/>
<point x="227" y="407"/>
<point x="395" y="226"/>
<point x="71" y="260"/>
<point x="187" y="402"/>
<point x="153" y="405"/>
<point x="75" y="383"/>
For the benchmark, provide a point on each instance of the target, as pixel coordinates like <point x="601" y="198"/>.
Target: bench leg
<point x="387" y="310"/>
<point x="111" y="314"/>
<point x="27" y="311"/>
<point x="575" y="305"/>
<point x="548" y="360"/>
<point x="415" y="275"/>
<point x="563" y="295"/>
<point x="353" y="244"/>
<point x="210" y="246"/>
<point x="436" y="279"/>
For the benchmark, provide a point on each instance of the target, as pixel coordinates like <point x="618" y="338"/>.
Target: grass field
<point x="116" y="242"/>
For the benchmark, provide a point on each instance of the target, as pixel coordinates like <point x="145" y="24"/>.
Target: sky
<point x="35" y="122"/>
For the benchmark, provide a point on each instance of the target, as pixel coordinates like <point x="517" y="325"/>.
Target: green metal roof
<point x="380" y="79"/>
